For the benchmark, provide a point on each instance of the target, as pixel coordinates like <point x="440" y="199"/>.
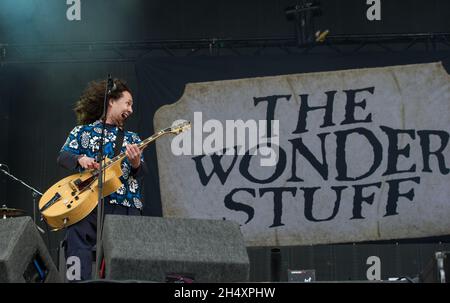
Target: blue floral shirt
<point x="85" y="140"/>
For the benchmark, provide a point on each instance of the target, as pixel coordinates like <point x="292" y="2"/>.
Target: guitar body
<point x="75" y="197"/>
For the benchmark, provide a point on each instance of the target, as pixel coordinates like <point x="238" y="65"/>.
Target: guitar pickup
<point x="75" y="184"/>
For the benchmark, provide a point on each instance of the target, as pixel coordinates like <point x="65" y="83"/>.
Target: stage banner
<point x="315" y="158"/>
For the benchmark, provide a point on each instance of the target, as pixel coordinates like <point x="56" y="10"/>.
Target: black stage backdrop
<point x="29" y="21"/>
<point x="36" y="108"/>
<point x="36" y="102"/>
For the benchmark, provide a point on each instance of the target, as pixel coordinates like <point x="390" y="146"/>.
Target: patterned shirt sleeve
<point x="72" y="143"/>
<point x="68" y="155"/>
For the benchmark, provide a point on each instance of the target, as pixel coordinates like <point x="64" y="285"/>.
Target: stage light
<point x="302" y="14"/>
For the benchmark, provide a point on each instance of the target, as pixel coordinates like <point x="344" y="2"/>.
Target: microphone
<point x="111" y="85"/>
<point x="4" y="168"/>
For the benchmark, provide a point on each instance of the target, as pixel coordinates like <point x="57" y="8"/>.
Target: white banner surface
<point x="363" y="155"/>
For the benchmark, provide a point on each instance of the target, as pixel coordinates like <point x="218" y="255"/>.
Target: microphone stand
<point x="34" y="192"/>
<point x="100" y="206"/>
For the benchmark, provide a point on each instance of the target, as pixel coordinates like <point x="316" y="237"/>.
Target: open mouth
<point x="125" y="115"/>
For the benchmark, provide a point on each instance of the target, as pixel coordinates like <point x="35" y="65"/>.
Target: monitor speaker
<point x="174" y="250"/>
<point x="24" y="258"/>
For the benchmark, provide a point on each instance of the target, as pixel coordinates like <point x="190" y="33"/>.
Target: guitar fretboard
<point x="142" y="145"/>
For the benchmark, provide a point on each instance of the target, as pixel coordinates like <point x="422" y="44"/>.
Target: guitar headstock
<point x="179" y="128"/>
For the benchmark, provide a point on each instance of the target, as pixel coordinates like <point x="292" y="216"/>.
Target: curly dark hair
<point x="89" y="108"/>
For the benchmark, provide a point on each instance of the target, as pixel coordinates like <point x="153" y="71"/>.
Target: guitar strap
<point x="119" y="141"/>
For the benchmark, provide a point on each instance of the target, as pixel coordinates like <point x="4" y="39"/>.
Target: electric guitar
<point x="75" y="197"/>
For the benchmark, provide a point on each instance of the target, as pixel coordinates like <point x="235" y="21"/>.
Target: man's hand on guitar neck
<point x="87" y="162"/>
<point x="134" y="155"/>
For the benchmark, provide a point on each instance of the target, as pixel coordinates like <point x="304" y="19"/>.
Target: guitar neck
<point x="142" y="145"/>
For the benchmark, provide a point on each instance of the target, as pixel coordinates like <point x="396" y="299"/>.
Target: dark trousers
<point x="81" y="238"/>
